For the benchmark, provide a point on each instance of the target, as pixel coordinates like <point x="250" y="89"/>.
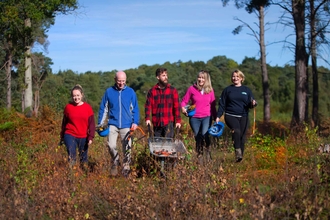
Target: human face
<point x="201" y="79"/>
<point x="236" y="79"/>
<point x="77" y="97"/>
<point x="163" y="79"/>
<point x="120" y="81"/>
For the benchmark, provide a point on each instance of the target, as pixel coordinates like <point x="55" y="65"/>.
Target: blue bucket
<point x="104" y="132"/>
<point x="217" y="129"/>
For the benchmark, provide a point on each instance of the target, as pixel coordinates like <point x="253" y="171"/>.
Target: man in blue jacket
<point x="119" y="109"/>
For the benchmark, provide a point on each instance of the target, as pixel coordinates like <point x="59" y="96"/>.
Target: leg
<point x="83" y="150"/>
<point x="169" y="131"/>
<point x="112" y="146"/>
<point x="234" y="124"/>
<point x="195" y="124"/>
<point x="206" y="122"/>
<point x="243" y="125"/>
<point x="71" y="144"/>
<point x="126" y="148"/>
<point x="83" y="154"/>
<point x="158" y="132"/>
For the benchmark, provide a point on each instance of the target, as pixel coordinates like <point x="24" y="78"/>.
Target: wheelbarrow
<point x="165" y="149"/>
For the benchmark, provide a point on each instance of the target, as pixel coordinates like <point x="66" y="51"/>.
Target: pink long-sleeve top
<point x="205" y="103"/>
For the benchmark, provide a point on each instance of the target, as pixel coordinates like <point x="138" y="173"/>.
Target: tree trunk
<point x="299" y="111"/>
<point x="315" y="93"/>
<point x="28" y="95"/>
<point x="8" y="76"/>
<point x="36" y="102"/>
<point x="265" y="83"/>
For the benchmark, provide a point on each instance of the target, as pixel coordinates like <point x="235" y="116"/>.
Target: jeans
<point x="71" y="144"/>
<point x="238" y="125"/>
<point x="200" y="128"/>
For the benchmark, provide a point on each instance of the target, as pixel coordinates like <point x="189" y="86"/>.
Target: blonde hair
<point x="240" y="74"/>
<point x="207" y="85"/>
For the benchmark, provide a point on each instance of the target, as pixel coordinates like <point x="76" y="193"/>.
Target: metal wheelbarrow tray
<point x="166" y="147"/>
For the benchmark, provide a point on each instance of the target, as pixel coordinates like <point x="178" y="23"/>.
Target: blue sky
<point x="105" y="35"/>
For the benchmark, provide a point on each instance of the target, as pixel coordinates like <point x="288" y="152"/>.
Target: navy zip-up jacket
<point x="235" y="101"/>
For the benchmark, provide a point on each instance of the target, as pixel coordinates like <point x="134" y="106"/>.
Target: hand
<point x="148" y="122"/>
<point x="61" y="142"/>
<point x="134" y="126"/>
<point x="178" y="125"/>
<point x="184" y="111"/>
<point x="254" y="103"/>
<point x="90" y="142"/>
<point x="217" y="120"/>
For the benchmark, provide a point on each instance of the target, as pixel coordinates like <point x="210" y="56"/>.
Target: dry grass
<point x="282" y="181"/>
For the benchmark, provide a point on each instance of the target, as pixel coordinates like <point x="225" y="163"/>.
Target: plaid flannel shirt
<point x="163" y="105"/>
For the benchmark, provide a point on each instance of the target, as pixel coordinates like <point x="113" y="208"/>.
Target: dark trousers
<point x="164" y="131"/>
<point x="72" y="143"/>
<point x="238" y="127"/>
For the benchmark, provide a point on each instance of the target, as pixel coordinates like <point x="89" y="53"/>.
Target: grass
<point x="281" y="177"/>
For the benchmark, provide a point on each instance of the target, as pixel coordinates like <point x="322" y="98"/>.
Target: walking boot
<point x="114" y="170"/>
<point x="238" y="154"/>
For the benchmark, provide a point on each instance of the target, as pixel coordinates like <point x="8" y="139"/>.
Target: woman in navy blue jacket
<point x="119" y="110"/>
<point x="235" y="102"/>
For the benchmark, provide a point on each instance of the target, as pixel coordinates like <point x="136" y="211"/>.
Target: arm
<point x="64" y="122"/>
<point x="176" y="109"/>
<point x="213" y="106"/>
<point x="184" y="102"/>
<point x="222" y="105"/>
<point x="103" y="111"/>
<point x="147" y="107"/>
<point x="253" y="101"/>
<point x="91" y="129"/>
<point x="63" y="125"/>
<point x="136" y="112"/>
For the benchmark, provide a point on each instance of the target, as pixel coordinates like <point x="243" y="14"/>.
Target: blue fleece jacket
<point x="119" y="107"/>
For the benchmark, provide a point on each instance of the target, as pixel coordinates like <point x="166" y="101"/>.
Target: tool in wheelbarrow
<point x="164" y="148"/>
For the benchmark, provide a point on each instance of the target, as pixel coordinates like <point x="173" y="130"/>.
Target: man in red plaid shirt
<point x="163" y="104"/>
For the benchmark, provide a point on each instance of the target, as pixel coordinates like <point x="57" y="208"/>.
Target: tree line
<point x="55" y="89"/>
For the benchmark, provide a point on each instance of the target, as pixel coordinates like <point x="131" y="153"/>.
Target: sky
<point x="106" y="35"/>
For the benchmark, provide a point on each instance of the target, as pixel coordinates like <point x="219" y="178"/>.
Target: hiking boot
<point x="238" y="154"/>
<point x="72" y="164"/>
<point x="126" y="171"/>
<point x="200" y="159"/>
<point x="84" y="167"/>
<point x="114" y="170"/>
<point x="208" y="155"/>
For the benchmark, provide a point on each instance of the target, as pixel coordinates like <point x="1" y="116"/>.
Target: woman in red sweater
<point x="78" y="127"/>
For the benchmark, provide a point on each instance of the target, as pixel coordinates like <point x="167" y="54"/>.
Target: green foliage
<point x="25" y="175"/>
<point x="8" y="125"/>
<point x="9" y="120"/>
<point x="268" y="151"/>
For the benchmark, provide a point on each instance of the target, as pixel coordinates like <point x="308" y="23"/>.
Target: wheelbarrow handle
<point x="177" y="131"/>
<point x="149" y="130"/>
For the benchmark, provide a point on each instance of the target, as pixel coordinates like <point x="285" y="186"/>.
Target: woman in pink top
<point x="201" y="95"/>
